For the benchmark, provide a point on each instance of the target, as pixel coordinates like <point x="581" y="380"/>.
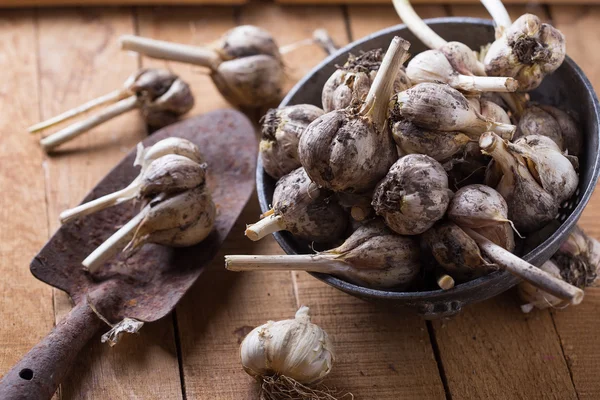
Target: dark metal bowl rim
<point x="547" y="246"/>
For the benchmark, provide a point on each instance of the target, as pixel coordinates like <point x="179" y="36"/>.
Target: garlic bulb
<point x="281" y="131"/>
<point x="171" y="165"/>
<point x="300" y="207"/>
<point x="494" y="112"/>
<point x="433" y="66"/>
<point x="441" y="146"/>
<point x="462" y="59"/>
<point x="160" y="96"/>
<point x="350" y="84"/>
<point x="413" y="195"/>
<point x="536" y="297"/>
<point x="530" y="206"/>
<point x="295" y="348"/>
<point x="245" y="64"/>
<point x="179" y="220"/>
<point x="528" y="51"/>
<point x="551" y="122"/>
<point x="441" y="107"/>
<point x="455" y="251"/>
<point x="351" y="149"/>
<point x="373" y="256"/>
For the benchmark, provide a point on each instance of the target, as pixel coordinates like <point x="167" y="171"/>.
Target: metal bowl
<point x="567" y="88"/>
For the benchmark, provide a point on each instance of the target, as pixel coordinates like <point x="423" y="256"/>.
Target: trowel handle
<point x="38" y="374"/>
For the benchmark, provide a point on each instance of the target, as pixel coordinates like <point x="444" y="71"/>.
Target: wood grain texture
<point x="25" y="303"/>
<point x="576" y="326"/>
<point x="73" y="71"/>
<point x="223" y="306"/>
<point x="54" y="3"/>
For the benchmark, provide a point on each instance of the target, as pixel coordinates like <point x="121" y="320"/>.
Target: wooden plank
<point x="54" y="3"/>
<point x="73" y="71"/>
<point x="222" y="307"/>
<point x="576" y="325"/>
<point x="565" y="2"/>
<point x="505" y="353"/>
<point x="25" y="303"/>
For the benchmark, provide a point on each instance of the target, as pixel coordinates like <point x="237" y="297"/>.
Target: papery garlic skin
<point x="171" y="173"/>
<point x="295" y="348"/>
<point x="571" y="134"/>
<point x="244" y="41"/>
<point x="171" y="145"/>
<point x="413" y="195"/>
<point x="308" y="212"/>
<point x="494" y="112"/>
<point x="167" y="108"/>
<point x="536" y="121"/>
<point x="501" y="234"/>
<point x="439" y="145"/>
<point x="250" y="81"/>
<point x="528" y="51"/>
<point x="281" y="131"/>
<point x="477" y="206"/>
<point x="579" y="259"/>
<point x="455" y="251"/>
<point x="462" y="59"/>
<point x="535" y="297"/>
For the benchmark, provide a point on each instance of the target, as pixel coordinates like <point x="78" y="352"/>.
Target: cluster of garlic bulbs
<point x="426" y="158"/>
<point x="176" y="205"/>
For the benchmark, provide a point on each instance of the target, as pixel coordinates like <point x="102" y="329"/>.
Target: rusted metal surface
<point x="148" y="285"/>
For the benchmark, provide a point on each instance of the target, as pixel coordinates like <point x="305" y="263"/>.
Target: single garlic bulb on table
<point x="281" y="131"/>
<point x="349" y="150"/>
<point x="433" y="66"/>
<point x="181" y="170"/>
<point x="441" y="107"/>
<point x="302" y="208"/>
<point x="161" y="97"/>
<point x="350" y="84"/>
<point x="528" y="51"/>
<point x="245" y="63"/>
<point x="373" y="256"/>
<point x="413" y="195"/>
<point x="283" y="354"/>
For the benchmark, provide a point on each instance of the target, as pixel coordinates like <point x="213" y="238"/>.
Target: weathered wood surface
<point x="492" y="350"/>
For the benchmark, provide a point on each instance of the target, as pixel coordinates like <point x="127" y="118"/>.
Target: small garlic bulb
<point x="295" y="348"/>
<point x="413" y="195"/>
<point x="441" y="107"/>
<point x="528" y="51"/>
<point x="244" y="41"/>
<point x="281" y="131"/>
<point x="433" y="66"/>
<point x="441" y="146"/>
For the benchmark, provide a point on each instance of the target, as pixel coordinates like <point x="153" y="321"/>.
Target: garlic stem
<point x="445" y="281"/>
<point x="323" y="263"/>
<point x="105" y="99"/>
<point x="56" y="139"/>
<point x="416" y="25"/>
<point x="114" y="244"/>
<point x="288" y="48"/>
<point x="271" y="223"/>
<point x="486" y="83"/>
<point x="499" y="14"/>
<point x="101" y="203"/>
<point x="171" y="51"/>
<point x="321" y="37"/>
<point x="377" y="101"/>
<point x="537" y="277"/>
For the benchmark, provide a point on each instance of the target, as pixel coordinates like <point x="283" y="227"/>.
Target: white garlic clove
<point x="281" y="131"/>
<point x="295" y="348"/>
<point x="413" y="195"/>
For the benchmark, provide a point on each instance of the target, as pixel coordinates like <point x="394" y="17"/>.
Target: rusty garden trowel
<point x="147" y="285"/>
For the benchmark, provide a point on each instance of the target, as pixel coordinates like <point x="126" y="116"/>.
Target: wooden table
<point x="53" y="59"/>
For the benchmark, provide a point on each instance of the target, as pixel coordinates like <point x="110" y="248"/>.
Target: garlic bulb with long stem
<point x="530" y="206"/>
<point x="160" y="96"/>
<point x="245" y="64"/>
<point x="351" y="149"/>
<point x="302" y="208"/>
<point x="413" y="195"/>
<point x="350" y="84"/>
<point x="164" y="169"/>
<point x="294" y="348"/>
<point x="441" y="107"/>
<point x="460" y="56"/>
<point x="178" y="220"/>
<point x="373" y="256"/>
<point x="281" y="131"/>
<point x="527" y="51"/>
<point x="433" y="66"/>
